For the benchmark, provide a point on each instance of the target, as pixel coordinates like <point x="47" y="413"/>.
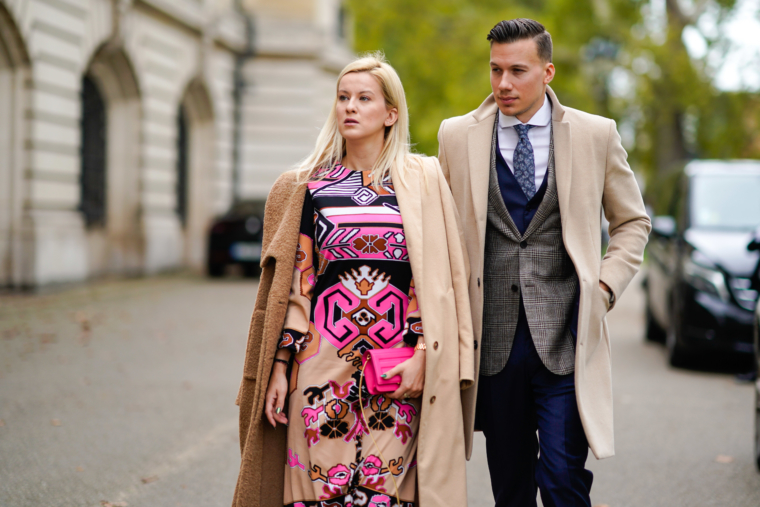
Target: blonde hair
<point x="330" y="147"/>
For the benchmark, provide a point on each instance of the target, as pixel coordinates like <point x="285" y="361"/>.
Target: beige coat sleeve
<point x="629" y="224"/>
<point x="442" y="154"/>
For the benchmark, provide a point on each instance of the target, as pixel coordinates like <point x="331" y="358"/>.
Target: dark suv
<point x="235" y="238"/>
<point x="699" y="287"/>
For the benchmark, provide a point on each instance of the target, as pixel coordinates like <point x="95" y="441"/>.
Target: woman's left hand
<point x="412" y="373"/>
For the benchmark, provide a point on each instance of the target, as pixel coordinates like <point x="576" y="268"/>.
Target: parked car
<point x="699" y="292"/>
<point x="235" y="238"/>
<point x="755" y="246"/>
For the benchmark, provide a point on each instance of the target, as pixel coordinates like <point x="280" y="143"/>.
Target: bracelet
<point x="420" y="346"/>
<point x="278" y="360"/>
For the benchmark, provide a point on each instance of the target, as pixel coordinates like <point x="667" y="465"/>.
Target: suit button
<point x="523" y="244"/>
<point x="514" y="288"/>
<point x="435" y="346"/>
<point x="476" y="344"/>
<point x="432" y="400"/>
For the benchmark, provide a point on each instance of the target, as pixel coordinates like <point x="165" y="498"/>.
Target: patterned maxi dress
<point x="352" y="291"/>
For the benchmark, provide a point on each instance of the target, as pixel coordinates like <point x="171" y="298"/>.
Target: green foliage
<point x="439" y="49"/>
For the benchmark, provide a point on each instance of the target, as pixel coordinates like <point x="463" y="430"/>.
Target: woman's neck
<point x="361" y="154"/>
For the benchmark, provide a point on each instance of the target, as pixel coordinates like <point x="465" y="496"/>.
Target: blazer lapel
<point x="479" y="154"/>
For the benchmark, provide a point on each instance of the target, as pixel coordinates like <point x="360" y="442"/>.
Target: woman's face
<point x="361" y="109"/>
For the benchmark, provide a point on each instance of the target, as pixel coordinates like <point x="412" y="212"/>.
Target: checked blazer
<point x="538" y="266"/>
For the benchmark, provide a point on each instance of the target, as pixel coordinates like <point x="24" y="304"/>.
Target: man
<point x="530" y="179"/>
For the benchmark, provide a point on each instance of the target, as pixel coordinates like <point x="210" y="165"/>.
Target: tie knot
<point x="522" y="130"/>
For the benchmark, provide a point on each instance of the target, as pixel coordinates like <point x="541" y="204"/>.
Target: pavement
<point x="122" y="393"/>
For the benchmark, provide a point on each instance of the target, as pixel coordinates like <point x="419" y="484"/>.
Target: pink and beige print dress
<point x="352" y="291"/>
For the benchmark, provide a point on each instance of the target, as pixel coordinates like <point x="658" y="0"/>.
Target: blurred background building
<point x="125" y="125"/>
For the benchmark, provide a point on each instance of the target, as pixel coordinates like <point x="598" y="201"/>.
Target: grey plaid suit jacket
<point x="542" y="270"/>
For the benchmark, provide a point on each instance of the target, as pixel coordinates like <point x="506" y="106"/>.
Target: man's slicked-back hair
<point x="513" y="30"/>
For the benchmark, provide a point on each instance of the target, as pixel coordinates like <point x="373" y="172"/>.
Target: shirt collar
<point x="541" y="119"/>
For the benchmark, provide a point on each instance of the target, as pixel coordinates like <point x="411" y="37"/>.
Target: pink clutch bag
<point x="378" y="361"/>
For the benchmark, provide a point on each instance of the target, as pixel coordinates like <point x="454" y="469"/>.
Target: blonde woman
<point x="361" y="251"/>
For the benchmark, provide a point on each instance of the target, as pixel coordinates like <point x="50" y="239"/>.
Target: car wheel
<point x="653" y="332"/>
<point x="251" y="270"/>
<point x="215" y="270"/>
<point x="676" y="353"/>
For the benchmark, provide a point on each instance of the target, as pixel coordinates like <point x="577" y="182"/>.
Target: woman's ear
<point x="392" y="117"/>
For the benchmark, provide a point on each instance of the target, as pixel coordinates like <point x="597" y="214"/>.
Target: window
<point x="182" y="159"/>
<point x="93" y="155"/>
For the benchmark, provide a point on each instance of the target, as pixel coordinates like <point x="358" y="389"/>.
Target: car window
<point x="730" y="201"/>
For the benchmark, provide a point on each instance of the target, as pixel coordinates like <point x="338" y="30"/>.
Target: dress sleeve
<point x="413" y="325"/>
<point x="296" y="327"/>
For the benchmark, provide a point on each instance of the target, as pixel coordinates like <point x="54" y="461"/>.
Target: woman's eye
<point x="342" y="97"/>
<point x="365" y="98"/>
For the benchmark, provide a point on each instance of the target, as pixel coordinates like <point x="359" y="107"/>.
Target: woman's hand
<point x="412" y="373"/>
<point x="277" y="391"/>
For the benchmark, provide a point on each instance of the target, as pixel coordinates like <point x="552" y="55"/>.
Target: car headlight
<point x="706" y="279"/>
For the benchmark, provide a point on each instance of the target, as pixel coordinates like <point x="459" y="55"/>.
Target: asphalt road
<point x="123" y="392"/>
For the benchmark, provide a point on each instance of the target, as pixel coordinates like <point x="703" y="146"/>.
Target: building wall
<point x="149" y="57"/>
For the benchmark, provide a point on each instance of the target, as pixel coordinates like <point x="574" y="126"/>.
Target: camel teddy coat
<point x="440" y="267"/>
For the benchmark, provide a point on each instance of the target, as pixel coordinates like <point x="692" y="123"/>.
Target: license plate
<point x="245" y="251"/>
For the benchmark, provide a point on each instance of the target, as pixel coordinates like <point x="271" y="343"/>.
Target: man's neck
<point x="526" y="116"/>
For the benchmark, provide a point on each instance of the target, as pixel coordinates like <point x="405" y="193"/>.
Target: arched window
<point x="182" y="162"/>
<point x="93" y="155"/>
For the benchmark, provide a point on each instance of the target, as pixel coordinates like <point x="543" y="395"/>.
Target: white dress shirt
<point x="539" y="136"/>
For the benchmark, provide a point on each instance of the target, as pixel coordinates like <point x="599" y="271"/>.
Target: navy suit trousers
<point x="512" y="405"/>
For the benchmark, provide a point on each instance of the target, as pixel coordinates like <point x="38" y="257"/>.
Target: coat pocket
<point x="605" y="297"/>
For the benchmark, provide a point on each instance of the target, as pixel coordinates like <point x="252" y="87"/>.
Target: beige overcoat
<point x="592" y="176"/>
<point x="439" y="265"/>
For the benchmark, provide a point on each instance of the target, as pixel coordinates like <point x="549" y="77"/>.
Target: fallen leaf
<point x="148" y="480"/>
<point x="80" y="469"/>
<point x="722" y="458"/>
<point x="47" y="338"/>
<point x="106" y="503"/>
<point x="2" y="423"/>
<point x="55" y="422"/>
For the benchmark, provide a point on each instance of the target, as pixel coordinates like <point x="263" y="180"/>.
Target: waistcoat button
<point x="514" y="288"/>
<point x="523" y="244"/>
<point x="478" y="282"/>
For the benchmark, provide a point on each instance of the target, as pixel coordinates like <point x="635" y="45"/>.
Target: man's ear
<point x="548" y="73"/>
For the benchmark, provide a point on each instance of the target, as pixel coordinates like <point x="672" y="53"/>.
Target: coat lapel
<point x="563" y="156"/>
<point x="479" y="151"/>
<point x="410" y="196"/>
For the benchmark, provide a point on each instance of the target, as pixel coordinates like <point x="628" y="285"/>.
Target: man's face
<point x="519" y="78"/>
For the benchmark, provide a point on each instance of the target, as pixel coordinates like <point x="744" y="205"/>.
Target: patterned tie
<point x="525" y="164"/>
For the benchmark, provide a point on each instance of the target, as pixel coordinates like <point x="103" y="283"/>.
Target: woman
<point x="345" y="237"/>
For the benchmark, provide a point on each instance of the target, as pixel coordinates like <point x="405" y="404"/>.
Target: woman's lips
<point x="350" y="122"/>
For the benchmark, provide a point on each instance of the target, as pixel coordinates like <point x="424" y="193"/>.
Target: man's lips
<point x="507" y="100"/>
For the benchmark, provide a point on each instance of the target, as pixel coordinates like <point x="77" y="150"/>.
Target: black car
<point x="699" y="289"/>
<point x="755" y="246"/>
<point x="235" y="238"/>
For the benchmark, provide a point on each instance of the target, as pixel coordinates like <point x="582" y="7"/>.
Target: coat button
<point x="514" y="288"/>
<point x="432" y="400"/>
<point x="523" y="244"/>
<point x="476" y="344"/>
<point x="435" y="346"/>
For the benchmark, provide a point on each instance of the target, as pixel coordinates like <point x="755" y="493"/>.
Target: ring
<point x="406" y="396"/>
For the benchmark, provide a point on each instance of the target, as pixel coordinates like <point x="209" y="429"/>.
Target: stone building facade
<point x="126" y="125"/>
